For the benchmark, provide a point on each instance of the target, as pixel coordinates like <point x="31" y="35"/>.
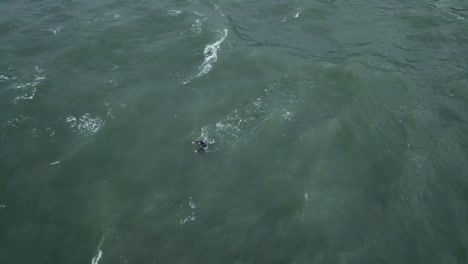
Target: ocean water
<point x="340" y="131"/>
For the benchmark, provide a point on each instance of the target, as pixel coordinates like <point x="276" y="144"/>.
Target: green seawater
<point x="340" y="131"/>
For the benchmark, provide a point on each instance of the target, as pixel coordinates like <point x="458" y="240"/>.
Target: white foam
<point x="196" y="27"/>
<point x="192" y="204"/>
<point x="123" y="259"/>
<point x="229" y="132"/>
<point x="71" y="120"/>
<point x="219" y="9"/>
<point x="287" y="115"/>
<point x="55" y="30"/>
<point x="2" y="206"/>
<point x="89" y="125"/>
<point x="98" y="256"/>
<point x="113" y="82"/>
<point x="85" y="125"/>
<point x="55" y="162"/>
<point x="204" y="134"/>
<point x="239" y="123"/>
<point x="306" y="196"/>
<point x="51" y="133"/>
<point x="200" y="14"/>
<point x="189" y="218"/>
<point x="109" y="110"/>
<point x="15" y="122"/>
<point x="30" y="88"/>
<point x="211" y="55"/>
<point x="174" y="12"/>
<point x="116" y="14"/>
<point x="3" y="78"/>
<point x="297" y="14"/>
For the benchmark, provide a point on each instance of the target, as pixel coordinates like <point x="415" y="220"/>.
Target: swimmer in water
<point x="202" y="145"/>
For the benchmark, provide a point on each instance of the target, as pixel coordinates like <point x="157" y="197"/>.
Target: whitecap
<point x="211" y="55"/>
<point x="189" y="218"/>
<point x="98" y="256"/>
<point x="113" y="83"/>
<point x="89" y="125"/>
<point x="30" y="88"/>
<point x="86" y="125"/>
<point x="174" y="12"/>
<point x="116" y="14"/>
<point x="3" y="78"/>
<point x="287" y="115"/>
<point x="71" y="120"/>
<point x="56" y="30"/>
<point x="55" y="162"/>
<point x="196" y="27"/>
<point x="192" y="204"/>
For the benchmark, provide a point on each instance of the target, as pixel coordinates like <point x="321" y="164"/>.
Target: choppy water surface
<point x="339" y="126"/>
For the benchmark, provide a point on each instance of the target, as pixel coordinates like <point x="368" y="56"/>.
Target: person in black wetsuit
<point x="202" y="146"/>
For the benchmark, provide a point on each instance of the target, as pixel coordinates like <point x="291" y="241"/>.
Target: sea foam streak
<point x="3" y="78"/>
<point x="211" y="56"/>
<point x="98" y="256"/>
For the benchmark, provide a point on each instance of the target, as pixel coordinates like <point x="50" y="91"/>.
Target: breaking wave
<point x="211" y="56"/>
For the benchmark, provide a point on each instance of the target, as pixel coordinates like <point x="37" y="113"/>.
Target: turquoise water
<point x="339" y="126"/>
